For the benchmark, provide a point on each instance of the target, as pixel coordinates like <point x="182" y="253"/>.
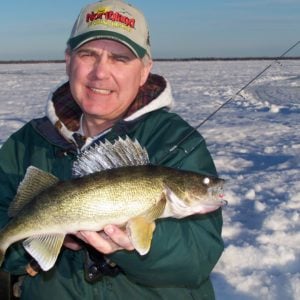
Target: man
<point x="111" y="93"/>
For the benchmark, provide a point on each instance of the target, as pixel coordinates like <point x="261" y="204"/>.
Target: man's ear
<point x="67" y="61"/>
<point x="145" y="71"/>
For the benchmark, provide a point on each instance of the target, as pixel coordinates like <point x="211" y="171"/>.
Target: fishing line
<point x="229" y="100"/>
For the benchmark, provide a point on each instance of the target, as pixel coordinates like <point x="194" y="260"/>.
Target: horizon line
<point x="20" y="61"/>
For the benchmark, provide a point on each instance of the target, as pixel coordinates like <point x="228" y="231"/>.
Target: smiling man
<point x="110" y="93"/>
<point x="105" y="77"/>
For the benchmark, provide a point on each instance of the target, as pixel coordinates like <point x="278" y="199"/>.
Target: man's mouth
<point x="101" y="91"/>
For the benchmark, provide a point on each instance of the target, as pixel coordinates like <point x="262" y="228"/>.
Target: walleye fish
<point x="112" y="184"/>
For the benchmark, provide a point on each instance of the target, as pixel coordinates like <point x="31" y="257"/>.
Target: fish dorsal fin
<point x="44" y="249"/>
<point x="102" y="156"/>
<point x="34" y="182"/>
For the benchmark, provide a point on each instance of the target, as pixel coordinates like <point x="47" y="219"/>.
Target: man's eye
<point x="120" y="58"/>
<point x="82" y="54"/>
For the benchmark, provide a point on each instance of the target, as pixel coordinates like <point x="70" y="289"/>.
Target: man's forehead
<point x="108" y="45"/>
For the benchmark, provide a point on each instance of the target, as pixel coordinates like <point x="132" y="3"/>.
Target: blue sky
<point x="39" y="29"/>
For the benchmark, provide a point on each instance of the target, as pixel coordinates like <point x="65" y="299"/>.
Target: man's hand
<point x="108" y="241"/>
<point x="71" y="243"/>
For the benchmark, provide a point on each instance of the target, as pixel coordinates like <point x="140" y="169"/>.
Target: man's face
<point x="105" y="77"/>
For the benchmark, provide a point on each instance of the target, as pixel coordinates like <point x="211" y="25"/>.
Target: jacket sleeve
<point x="25" y="147"/>
<point x="183" y="252"/>
<point x="11" y="172"/>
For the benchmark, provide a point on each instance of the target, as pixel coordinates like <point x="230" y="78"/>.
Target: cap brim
<point x="81" y="39"/>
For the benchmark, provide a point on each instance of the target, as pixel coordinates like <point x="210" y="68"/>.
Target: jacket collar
<point x="64" y="113"/>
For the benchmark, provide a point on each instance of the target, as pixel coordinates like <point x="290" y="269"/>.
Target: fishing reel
<point x="96" y="265"/>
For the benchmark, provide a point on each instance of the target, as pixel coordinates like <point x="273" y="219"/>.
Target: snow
<point x="254" y="141"/>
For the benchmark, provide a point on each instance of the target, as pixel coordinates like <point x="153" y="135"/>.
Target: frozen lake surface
<point x="255" y="142"/>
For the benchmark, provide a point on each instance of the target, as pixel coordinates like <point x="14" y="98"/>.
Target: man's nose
<point x="102" y="67"/>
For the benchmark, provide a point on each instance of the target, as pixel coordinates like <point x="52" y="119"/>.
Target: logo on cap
<point x="106" y="16"/>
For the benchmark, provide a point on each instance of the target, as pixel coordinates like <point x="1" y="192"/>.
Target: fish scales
<point x="111" y="196"/>
<point x="134" y="196"/>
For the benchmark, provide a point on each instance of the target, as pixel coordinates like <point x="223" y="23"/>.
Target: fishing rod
<point x="229" y="100"/>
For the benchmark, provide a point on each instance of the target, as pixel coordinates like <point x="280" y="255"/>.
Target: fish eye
<point x="206" y="181"/>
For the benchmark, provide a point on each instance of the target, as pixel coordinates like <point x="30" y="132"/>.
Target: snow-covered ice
<point x="254" y="141"/>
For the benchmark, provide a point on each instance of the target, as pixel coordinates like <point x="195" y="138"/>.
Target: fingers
<point x="100" y="241"/>
<point x="119" y="237"/>
<point x="71" y="243"/>
<point x="108" y="241"/>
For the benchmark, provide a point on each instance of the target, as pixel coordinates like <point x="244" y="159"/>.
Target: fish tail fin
<point x="3" y="248"/>
<point x="2" y="255"/>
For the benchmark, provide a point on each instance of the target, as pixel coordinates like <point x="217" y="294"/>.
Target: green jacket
<point x="183" y="252"/>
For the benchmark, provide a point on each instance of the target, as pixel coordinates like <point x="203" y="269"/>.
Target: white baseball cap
<point x="114" y="20"/>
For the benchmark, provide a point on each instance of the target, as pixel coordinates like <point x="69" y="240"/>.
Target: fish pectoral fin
<point x="34" y="182"/>
<point x="141" y="231"/>
<point x="44" y="249"/>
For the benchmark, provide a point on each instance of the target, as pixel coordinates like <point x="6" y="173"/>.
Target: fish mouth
<point x="216" y="196"/>
<point x="214" y="201"/>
